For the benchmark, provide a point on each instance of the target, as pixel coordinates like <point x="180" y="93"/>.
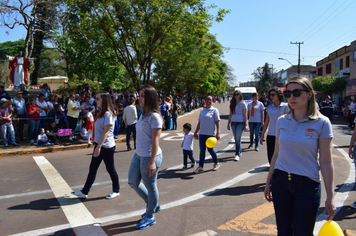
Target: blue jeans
<point x="254" y="131"/>
<point x="296" y="203"/>
<point x="8" y="128"/>
<point x="120" y="122"/>
<point x="106" y="154"/>
<point x="43" y="120"/>
<point x="33" y="126"/>
<point x="42" y="142"/>
<point x="148" y="189"/>
<point x="202" y="146"/>
<point x="186" y="154"/>
<point x="130" y="129"/>
<point x="116" y="128"/>
<point x="237" y="130"/>
<point x="174" y="123"/>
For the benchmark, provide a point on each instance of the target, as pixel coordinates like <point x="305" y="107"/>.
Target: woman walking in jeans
<point x="255" y="120"/>
<point x="148" y="157"/>
<point x="238" y="120"/>
<point x="104" y="146"/>
<point x="303" y="147"/>
<point x="276" y="109"/>
<point x="209" y="118"/>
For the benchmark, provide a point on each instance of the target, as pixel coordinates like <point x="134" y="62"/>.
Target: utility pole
<point x="299" y="43"/>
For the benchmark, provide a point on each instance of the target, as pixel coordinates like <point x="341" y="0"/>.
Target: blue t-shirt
<point x="163" y="110"/>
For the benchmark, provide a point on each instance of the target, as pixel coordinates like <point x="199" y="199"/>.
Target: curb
<point x="34" y="150"/>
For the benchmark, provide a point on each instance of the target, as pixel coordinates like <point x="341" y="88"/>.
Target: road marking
<point x="249" y="221"/>
<point x="164" y="135"/>
<point x="50" y="191"/>
<point x="75" y="211"/>
<point x="341" y="195"/>
<point x="208" y="232"/>
<point x="180" y="137"/>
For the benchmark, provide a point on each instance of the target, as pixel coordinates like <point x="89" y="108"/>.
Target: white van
<point x="247" y="92"/>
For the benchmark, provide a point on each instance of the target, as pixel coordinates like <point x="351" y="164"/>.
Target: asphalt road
<point x="35" y="194"/>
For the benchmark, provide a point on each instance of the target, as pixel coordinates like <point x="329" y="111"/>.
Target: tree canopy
<point x="329" y="84"/>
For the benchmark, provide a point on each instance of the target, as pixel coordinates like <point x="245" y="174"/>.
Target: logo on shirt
<point x="309" y="133"/>
<point x="145" y="122"/>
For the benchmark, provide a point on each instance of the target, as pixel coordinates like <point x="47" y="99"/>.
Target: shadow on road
<point x="240" y="190"/>
<point x="120" y="228"/>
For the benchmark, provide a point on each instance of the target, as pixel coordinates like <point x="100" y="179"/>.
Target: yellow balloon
<point x="331" y="228"/>
<point x="211" y="142"/>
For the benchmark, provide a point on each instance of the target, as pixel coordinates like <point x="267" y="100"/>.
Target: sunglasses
<point x="272" y="94"/>
<point x="296" y="92"/>
<point x="236" y="94"/>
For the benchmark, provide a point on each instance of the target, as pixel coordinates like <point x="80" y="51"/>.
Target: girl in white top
<point x="303" y="146"/>
<point x="104" y="148"/>
<point x="148" y="156"/>
<point x="277" y="108"/>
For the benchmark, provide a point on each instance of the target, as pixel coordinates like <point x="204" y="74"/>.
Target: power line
<point x="253" y="50"/>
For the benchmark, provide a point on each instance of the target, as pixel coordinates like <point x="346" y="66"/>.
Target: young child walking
<point x="89" y="125"/>
<point x="42" y="139"/>
<point x="187" y="145"/>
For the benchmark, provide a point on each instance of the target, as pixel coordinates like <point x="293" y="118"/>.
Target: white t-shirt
<point x="130" y="115"/>
<point x="207" y="119"/>
<point x="144" y="128"/>
<point x="50" y="105"/>
<point x="43" y="104"/>
<point x="273" y="113"/>
<point x="188" y="141"/>
<point x="238" y="116"/>
<point x="100" y="123"/>
<point x="257" y="113"/>
<point x="42" y="137"/>
<point x="90" y="116"/>
<point x="299" y="144"/>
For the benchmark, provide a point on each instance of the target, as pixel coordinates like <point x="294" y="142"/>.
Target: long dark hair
<point x="106" y="104"/>
<point x="233" y="101"/>
<point x="278" y="92"/>
<point x="151" y="100"/>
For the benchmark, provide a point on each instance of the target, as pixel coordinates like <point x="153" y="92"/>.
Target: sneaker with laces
<point x="79" y="194"/>
<point x="112" y="195"/>
<point x="237" y="158"/>
<point x="257" y="149"/>
<point x="146" y="222"/>
<point x="184" y="168"/>
<point x="198" y="170"/>
<point x="353" y="205"/>
<point x="216" y="166"/>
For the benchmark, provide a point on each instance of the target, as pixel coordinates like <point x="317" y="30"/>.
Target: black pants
<point x="271" y="140"/>
<point x="72" y="123"/>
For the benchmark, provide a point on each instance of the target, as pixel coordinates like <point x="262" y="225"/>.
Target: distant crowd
<point x="48" y="112"/>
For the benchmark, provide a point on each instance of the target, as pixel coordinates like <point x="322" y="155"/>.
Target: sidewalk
<point x="26" y="148"/>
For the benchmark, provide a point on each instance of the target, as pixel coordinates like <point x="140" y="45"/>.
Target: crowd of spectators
<point x="50" y="112"/>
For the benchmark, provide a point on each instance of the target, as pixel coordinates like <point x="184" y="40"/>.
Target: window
<point x="347" y="61"/>
<point x="320" y="71"/>
<point x="341" y="63"/>
<point x="355" y="55"/>
<point x="328" y="68"/>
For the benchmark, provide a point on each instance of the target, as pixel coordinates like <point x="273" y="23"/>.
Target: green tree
<point x="329" y="84"/>
<point x="263" y="77"/>
<point x="138" y="29"/>
<point x="11" y="48"/>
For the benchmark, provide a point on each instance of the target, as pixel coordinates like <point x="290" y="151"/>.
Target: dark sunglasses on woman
<point x="296" y="92"/>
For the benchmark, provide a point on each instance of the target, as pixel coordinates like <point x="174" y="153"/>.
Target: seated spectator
<point x="6" y="122"/>
<point x="42" y="139"/>
<point x="52" y="132"/>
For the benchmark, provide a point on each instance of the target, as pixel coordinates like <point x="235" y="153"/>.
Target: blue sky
<point x="256" y="27"/>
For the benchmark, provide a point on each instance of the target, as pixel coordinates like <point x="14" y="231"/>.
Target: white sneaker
<point x="112" y="195"/>
<point x="216" y="166"/>
<point x="237" y="158"/>
<point x="79" y="194"/>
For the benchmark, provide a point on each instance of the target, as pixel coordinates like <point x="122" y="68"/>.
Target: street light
<point x="280" y="58"/>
